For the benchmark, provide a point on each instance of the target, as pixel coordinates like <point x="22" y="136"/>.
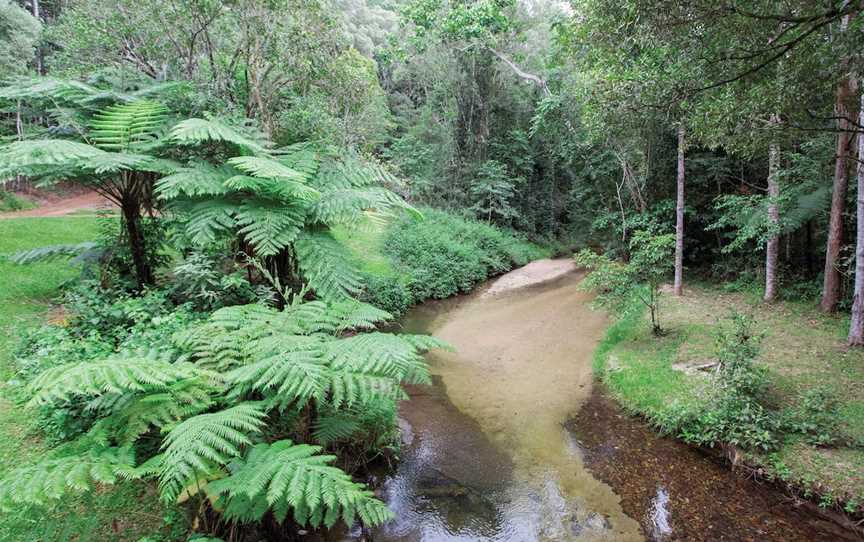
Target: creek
<point x="514" y="441"/>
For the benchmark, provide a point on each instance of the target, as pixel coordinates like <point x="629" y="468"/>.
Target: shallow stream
<point x="500" y="448"/>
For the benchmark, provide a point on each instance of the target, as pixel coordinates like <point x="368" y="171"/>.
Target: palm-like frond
<point x="195" y="448"/>
<point x="202" y="179"/>
<point x="53" y="478"/>
<point x="195" y="131"/>
<point x="109" y="376"/>
<point x="21" y="156"/>
<point x="127" y="127"/>
<point x="327" y="265"/>
<point x="284" y="476"/>
<point x="269" y="226"/>
<point x="79" y="252"/>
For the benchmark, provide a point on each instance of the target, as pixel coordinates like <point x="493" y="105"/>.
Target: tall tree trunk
<point x="844" y="109"/>
<point x="679" y="218"/>
<point x="131" y="209"/>
<point x="40" y="62"/>
<point x="772" y="247"/>
<point x="856" y="326"/>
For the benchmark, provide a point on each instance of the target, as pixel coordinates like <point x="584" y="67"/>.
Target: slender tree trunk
<point x="131" y="209"/>
<point x="844" y="109"/>
<point x="772" y="247"/>
<point x="856" y="326"/>
<point x="679" y="218"/>
<point x="40" y="68"/>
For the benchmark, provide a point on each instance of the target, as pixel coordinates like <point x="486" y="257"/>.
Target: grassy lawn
<point x="801" y="349"/>
<point x="126" y="513"/>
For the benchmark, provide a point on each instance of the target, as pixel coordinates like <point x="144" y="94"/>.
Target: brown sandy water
<point x="490" y="451"/>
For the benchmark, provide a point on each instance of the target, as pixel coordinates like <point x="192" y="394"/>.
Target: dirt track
<point x="64" y="206"/>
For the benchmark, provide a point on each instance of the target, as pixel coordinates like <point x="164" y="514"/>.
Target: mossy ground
<point x="801" y="349"/>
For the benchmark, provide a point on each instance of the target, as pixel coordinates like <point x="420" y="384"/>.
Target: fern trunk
<point x="679" y="217"/>
<point x="131" y="210"/>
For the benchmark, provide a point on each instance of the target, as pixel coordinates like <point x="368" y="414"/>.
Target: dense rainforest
<point x="285" y="179"/>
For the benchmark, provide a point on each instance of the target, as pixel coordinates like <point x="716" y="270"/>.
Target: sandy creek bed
<point x="490" y="455"/>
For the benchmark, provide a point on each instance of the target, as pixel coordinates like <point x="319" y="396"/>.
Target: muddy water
<point x="490" y="452"/>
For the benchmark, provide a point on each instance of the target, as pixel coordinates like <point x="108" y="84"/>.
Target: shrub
<point x="444" y="254"/>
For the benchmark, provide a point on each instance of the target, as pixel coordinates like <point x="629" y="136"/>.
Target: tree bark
<point x="679" y="217"/>
<point x="846" y="99"/>
<point x="856" y="326"/>
<point x="131" y="210"/>
<point x="773" y="245"/>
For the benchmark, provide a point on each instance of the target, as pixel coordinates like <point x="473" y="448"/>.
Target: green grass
<point x="801" y="349"/>
<point x="123" y="513"/>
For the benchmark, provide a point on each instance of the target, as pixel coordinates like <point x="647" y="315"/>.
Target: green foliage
<point x="282" y="476"/>
<point x="443" y="254"/>
<point x="616" y="283"/>
<point x="815" y="416"/>
<point x="281" y="204"/>
<point x="19" y="37"/>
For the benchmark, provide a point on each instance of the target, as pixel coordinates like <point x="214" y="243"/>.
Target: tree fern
<point x="284" y="477"/>
<point x="44" y="254"/>
<point x="53" y="478"/>
<point x="196" y="131"/>
<point x="197" y="447"/>
<point x="108" y="376"/>
<point x="327" y="265"/>
<point x="129" y="127"/>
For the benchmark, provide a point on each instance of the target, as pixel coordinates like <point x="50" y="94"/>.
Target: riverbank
<point x="666" y="379"/>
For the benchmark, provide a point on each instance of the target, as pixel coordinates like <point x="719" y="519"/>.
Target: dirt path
<point x="65" y="206"/>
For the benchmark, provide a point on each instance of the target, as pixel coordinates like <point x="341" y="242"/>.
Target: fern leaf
<point x="49" y="253"/>
<point x="129" y="126"/>
<point x="258" y="166"/>
<point x="201" y="444"/>
<point x="206" y="220"/>
<point x="23" y="155"/>
<point x="195" y="131"/>
<point x="381" y="354"/>
<point x="269" y="227"/>
<point x="112" y="375"/>
<point x="200" y="180"/>
<point x="53" y="478"/>
<point x="327" y="265"/>
<point x="285" y="476"/>
<point x="290" y="376"/>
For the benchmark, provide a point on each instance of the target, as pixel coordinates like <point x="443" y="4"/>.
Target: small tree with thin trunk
<point x="772" y="247"/>
<point x="679" y="216"/>
<point x="617" y="283"/>
<point x="856" y="326"/>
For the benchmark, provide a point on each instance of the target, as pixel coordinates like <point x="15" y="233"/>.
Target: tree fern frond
<point x="335" y="426"/>
<point x="198" y="445"/>
<point x="352" y="314"/>
<point x="278" y="189"/>
<point x="206" y="220"/>
<point x="382" y="354"/>
<point x="327" y="265"/>
<point x="293" y="376"/>
<point x="195" y="131"/>
<point x="199" y="180"/>
<point x="284" y="476"/>
<point x="349" y="388"/>
<point x="112" y="162"/>
<point x="268" y="226"/>
<point x="135" y="416"/>
<point x="258" y="166"/>
<point x="128" y="126"/>
<point x="22" y="155"/>
<point x="53" y="252"/>
<point x="53" y="478"/>
<point x="113" y="375"/>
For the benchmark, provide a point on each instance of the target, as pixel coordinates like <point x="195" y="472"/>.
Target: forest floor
<point x="128" y="512"/>
<point x="802" y="350"/>
<point x="45" y="204"/>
